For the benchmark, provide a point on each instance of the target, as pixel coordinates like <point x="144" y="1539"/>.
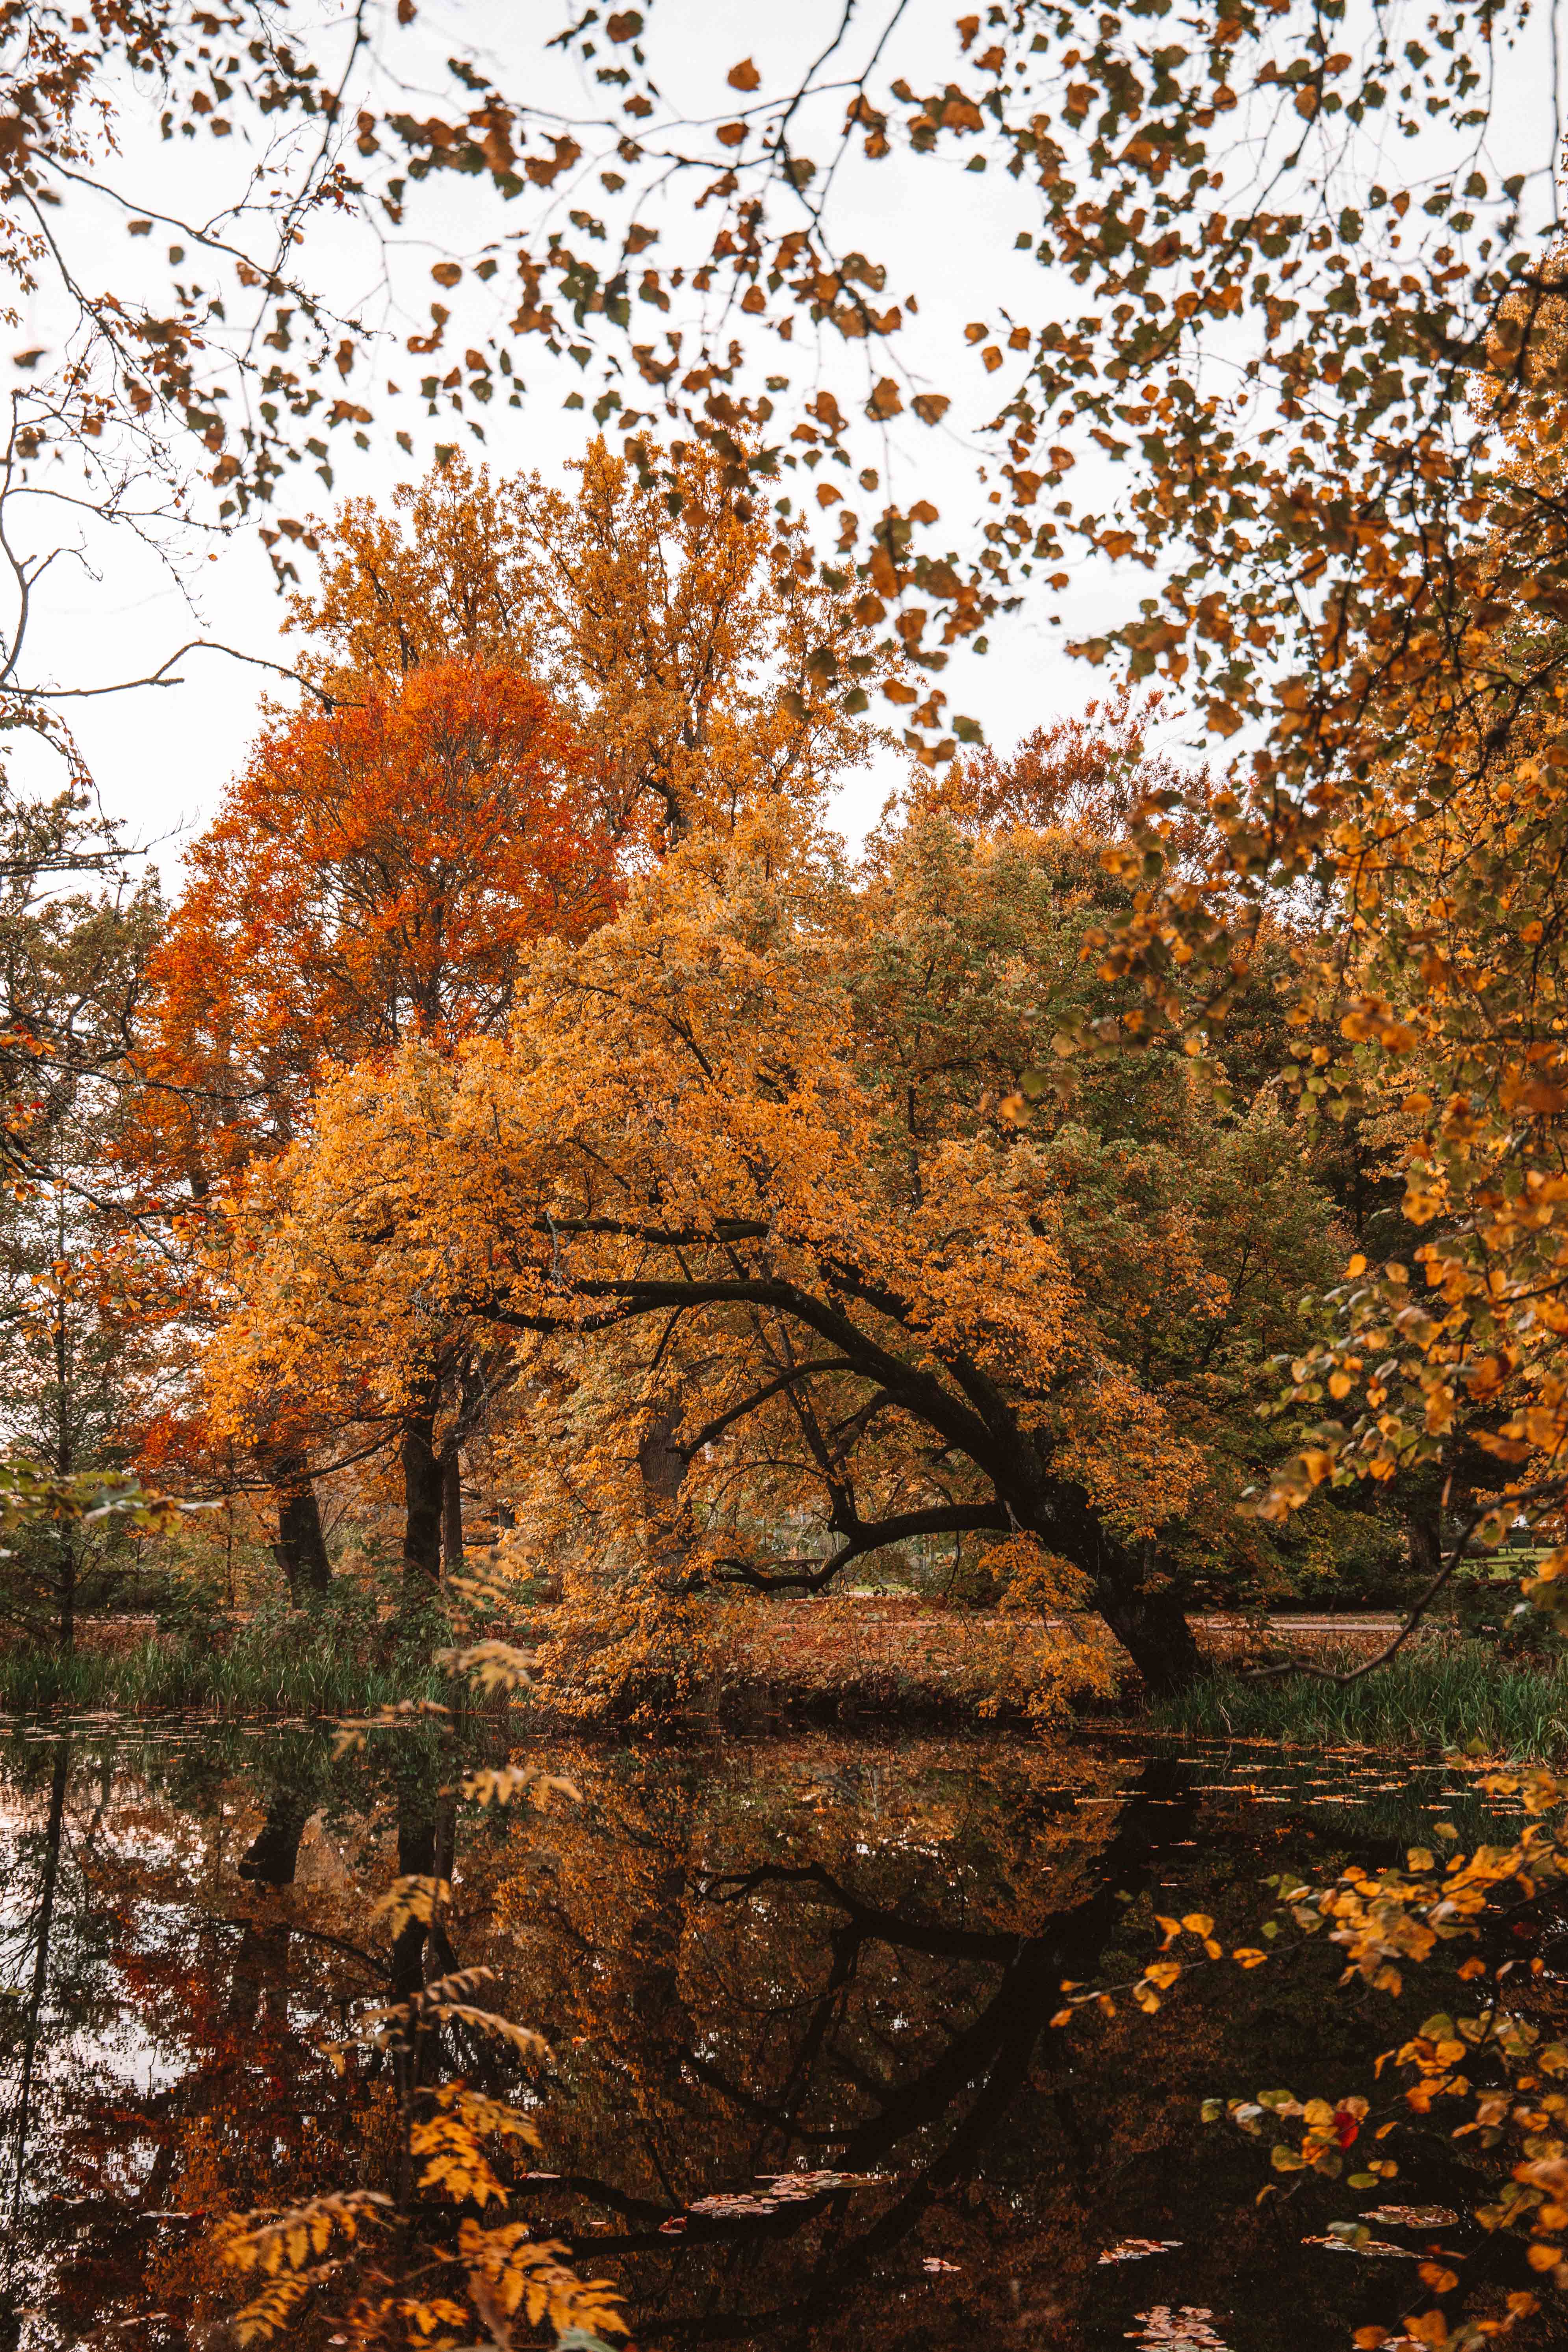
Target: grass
<point x="331" y="1660"/>
<point x="1424" y="1703"/>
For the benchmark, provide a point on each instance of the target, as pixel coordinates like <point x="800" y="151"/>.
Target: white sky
<point x="162" y="757"/>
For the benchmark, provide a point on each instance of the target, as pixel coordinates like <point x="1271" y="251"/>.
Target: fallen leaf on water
<point x="1187" y="2330"/>
<point x="794" y="2188"/>
<point x="778" y="2188"/>
<point x="1137" y="2250"/>
<point x="1412" y="2217"/>
<point x="1367" y="2246"/>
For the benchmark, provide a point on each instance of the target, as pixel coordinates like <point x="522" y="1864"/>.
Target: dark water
<point x="810" y="1952"/>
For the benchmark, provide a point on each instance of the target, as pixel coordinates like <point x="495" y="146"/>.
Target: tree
<point x="384" y="860"/>
<point x="376" y="872"/>
<point x="704" y="663"/>
<point x="1339" y="590"/>
<point x="77" y="1346"/>
<point x="781" y="1287"/>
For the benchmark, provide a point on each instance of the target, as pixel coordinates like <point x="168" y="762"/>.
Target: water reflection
<point x="830" y="1956"/>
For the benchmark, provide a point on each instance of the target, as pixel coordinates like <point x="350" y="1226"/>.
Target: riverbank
<point x="1448" y="1694"/>
<point x="279" y="1663"/>
<point x="879" y="1660"/>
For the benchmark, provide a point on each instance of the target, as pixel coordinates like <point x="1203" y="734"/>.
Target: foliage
<point x="889" y="1660"/>
<point x="76" y="1346"/>
<point x="498" y="2273"/>
<point x="1495" y="2062"/>
<point x="635" y="1646"/>
<point x="736" y="1215"/>
<point x="704" y="664"/>
<point x="1401" y="709"/>
<point x="376" y="873"/>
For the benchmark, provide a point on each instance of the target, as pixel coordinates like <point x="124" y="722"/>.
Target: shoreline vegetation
<point x="869" y="1661"/>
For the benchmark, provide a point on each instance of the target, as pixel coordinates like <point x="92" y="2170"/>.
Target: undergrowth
<point x="327" y="1661"/>
<point x="1459" y="1695"/>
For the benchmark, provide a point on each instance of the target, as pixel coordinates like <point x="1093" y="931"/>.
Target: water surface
<point x="801" y="1953"/>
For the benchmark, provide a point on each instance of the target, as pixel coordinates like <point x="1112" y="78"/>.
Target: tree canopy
<point x="736" y="1213"/>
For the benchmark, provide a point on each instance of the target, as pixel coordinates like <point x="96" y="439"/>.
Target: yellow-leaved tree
<point x="772" y="1278"/>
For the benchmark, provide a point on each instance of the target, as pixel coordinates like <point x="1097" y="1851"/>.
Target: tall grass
<point x="1421" y="1703"/>
<point x="293" y="1663"/>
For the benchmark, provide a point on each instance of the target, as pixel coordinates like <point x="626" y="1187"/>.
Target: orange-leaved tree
<point x="375" y="872"/>
<point x="681" y="633"/>
<point x="685" y="628"/>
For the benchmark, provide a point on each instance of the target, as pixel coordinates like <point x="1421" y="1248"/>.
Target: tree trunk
<point x="422" y="1494"/>
<point x="1146" y="1616"/>
<point x="662" y="1467"/>
<point x="301" y="1549"/>
<point x="452" y="1512"/>
<point x="1424" y="1534"/>
<point x="1153" y="1628"/>
<point x="68" y="1591"/>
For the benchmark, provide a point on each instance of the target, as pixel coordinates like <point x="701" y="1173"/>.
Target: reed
<point x="331" y="1660"/>
<point x="1458" y="1695"/>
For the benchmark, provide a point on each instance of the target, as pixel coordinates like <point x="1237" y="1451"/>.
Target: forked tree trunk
<point x="422" y="1495"/>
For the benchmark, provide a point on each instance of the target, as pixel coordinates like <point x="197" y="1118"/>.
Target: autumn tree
<point x="375" y="872"/>
<point x="79" y="1344"/>
<point x="781" y="1285"/>
<point x="686" y="631"/>
<point x="1332" y="590"/>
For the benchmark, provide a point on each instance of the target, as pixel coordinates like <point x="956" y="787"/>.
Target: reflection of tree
<point x="821" y="1951"/>
<point x="871" y="1997"/>
<point x="167" y="1987"/>
<point x="36" y="1922"/>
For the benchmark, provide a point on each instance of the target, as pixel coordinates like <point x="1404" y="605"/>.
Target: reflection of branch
<point x="990" y="2058"/>
<point x="1354" y="1674"/>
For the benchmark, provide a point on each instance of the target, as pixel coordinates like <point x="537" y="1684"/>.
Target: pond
<point x="814" y="1953"/>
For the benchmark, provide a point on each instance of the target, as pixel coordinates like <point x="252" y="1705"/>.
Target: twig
<point x="1354" y="1674"/>
<point x="157" y="678"/>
